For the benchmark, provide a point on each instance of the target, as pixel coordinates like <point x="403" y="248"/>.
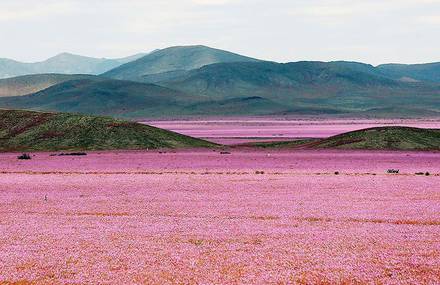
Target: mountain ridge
<point x="173" y="59"/>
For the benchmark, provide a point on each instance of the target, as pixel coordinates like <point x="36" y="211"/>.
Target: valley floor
<point x="238" y="130"/>
<point x="202" y="217"/>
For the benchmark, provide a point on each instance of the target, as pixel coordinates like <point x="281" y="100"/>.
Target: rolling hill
<point x="64" y="63"/>
<point x="28" y="84"/>
<point x="389" y="138"/>
<point x="34" y="131"/>
<point x="173" y="59"/>
<point x="378" y="138"/>
<point x="104" y="97"/>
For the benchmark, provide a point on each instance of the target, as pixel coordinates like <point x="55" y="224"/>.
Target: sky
<point x="371" y="31"/>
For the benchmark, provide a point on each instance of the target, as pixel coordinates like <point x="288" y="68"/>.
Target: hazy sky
<point x="373" y="31"/>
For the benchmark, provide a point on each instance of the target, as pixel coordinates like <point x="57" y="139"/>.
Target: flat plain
<point x="231" y="131"/>
<point x="207" y="217"/>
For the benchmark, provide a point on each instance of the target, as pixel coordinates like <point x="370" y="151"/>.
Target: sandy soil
<point x="201" y="217"/>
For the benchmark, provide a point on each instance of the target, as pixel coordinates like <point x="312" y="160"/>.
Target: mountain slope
<point x="173" y="59"/>
<point x="236" y="106"/>
<point x="342" y="86"/>
<point x="31" y="131"/>
<point x="28" y="84"/>
<point x="65" y="63"/>
<point x="412" y="72"/>
<point x="103" y="97"/>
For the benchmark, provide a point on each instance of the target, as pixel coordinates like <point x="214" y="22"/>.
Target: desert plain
<point x="221" y="216"/>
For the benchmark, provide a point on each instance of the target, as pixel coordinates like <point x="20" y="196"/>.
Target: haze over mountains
<point x="198" y="80"/>
<point x="65" y="63"/>
<point x="28" y="84"/>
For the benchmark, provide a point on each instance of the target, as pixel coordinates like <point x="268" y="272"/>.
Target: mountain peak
<point x="176" y="58"/>
<point x="69" y="56"/>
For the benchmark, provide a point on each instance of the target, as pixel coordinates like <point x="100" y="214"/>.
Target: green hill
<point x="389" y="138"/>
<point x="35" y="131"/>
<point x="28" y="84"/>
<point x="173" y="59"/>
<point x="379" y="138"/>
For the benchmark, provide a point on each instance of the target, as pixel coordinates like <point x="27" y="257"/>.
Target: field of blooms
<point x="242" y="130"/>
<point x="206" y="217"/>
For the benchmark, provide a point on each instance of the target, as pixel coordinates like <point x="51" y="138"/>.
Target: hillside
<point x="103" y="97"/>
<point x="412" y="72"/>
<point x="34" y="131"/>
<point x="64" y="63"/>
<point x="389" y="138"/>
<point x="379" y="138"/>
<point x="173" y="59"/>
<point x="28" y="84"/>
<point x="336" y="86"/>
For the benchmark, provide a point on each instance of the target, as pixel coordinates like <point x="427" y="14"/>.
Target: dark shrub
<point x="336" y="172"/>
<point x="24" y="156"/>
<point x="73" y="154"/>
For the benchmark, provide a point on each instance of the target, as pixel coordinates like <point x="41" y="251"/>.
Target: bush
<point x="336" y="172"/>
<point x="72" y="154"/>
<point x="427" y="174"/>
<point x="395" y="171"/>
<point x="24" y="156"/>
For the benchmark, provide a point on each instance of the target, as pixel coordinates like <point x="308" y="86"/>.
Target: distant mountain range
<point x="198" y="80"/>
<point x="64" y="63"/>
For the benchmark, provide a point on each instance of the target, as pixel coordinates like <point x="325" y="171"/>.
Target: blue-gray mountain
<point x="198" y="80"/>
<point x="65" y="63"/>
<point x="413" y="72"/>
<point x="174" y="60"/>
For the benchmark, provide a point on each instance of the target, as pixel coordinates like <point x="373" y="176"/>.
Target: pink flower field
<point x="202" y="217"/>
<point x="242" y="130"/>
